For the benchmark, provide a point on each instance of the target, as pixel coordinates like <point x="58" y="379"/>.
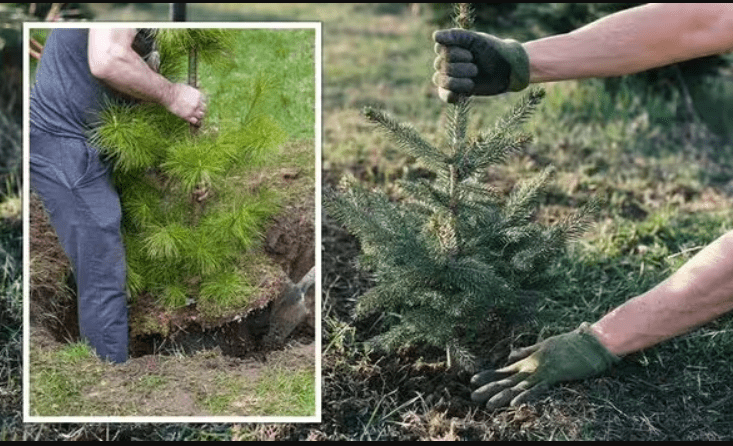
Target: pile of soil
<point x="290" y="242"/>
<point x="53" y="308"/>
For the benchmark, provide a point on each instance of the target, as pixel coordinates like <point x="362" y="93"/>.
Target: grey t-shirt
<point x="65" y="98"/>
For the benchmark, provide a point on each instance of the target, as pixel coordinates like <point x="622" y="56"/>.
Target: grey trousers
<point x="76" y="189"/>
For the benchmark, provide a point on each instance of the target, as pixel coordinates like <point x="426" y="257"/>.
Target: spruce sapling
<point x="452" y="249"/>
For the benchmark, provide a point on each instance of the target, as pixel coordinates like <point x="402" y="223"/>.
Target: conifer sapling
<point x="452" y="249"/>
<point x="187" y="222"/>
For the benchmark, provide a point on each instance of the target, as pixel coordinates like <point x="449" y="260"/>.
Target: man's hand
<point x="186" y="102"/>
<point x="567" y="357"/>
<point x="473" y="63"/>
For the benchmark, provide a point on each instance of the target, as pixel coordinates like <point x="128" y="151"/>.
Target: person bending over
<point x="79" y="71"/>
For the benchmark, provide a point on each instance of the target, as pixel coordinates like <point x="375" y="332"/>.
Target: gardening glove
<point x="473" y="63"/>
<point x="567" y="357"/>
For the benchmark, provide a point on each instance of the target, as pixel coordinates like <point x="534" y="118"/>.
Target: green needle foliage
<point x="453" y="249"/>
<point x="213" y="47"/>
<point x="188" y="223"/>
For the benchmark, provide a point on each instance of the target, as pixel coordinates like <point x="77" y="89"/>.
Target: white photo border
<point x="27" y="417"/>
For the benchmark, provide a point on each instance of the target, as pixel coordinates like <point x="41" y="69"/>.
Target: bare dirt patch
<point x="157" y="385"/>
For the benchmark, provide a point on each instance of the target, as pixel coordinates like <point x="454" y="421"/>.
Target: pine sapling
<point x="188" y="223"/>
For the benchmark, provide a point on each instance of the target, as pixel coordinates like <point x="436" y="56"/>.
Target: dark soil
<point x="408" y="395"/>
<point x="290" y="240"/>
<point x="52" y="301"/>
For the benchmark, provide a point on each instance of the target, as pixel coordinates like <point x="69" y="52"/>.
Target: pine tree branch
<point x="478" y="193"/>
<point x="463" y="15"/>
<point x="457" y="126"/>
<point x="357" y="209"/>
<point x="426" y="196"/>
<point x="494" y="150"/>
<point x="579" y="223"/>
<point x="494" y="145"/>
<point x="472" y="274"/>
<point x="461" y="357"/>
<point x="522" y="201"/>
<point x="519" y="114"/>
<point x="406" y="136"/>
<point x="389" y="233"/>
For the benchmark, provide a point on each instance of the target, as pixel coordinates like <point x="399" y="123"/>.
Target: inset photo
<point x="171" y="219"/>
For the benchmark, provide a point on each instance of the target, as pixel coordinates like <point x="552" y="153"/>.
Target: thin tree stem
<point x="193" y="78"/>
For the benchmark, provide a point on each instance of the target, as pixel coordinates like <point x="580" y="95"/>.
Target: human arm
<point x="633" y="40"/>
<point x="113" y="61"/>
<point x="626" y="42"/>
<point x="700" y="291"/>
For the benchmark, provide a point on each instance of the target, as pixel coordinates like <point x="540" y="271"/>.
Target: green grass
<point x="623" y="259"/>
<point x="286" y="393"/>
<point x="71" y="381"/>
<point x="59" y="379"/>
<point x="279" y="64"/>
<point x="151" y="383"/>
<point x="11" y="310"/>
<point x="11" y="236"/>
<point x="275" y="392"/>
<point x="10" y="258"/>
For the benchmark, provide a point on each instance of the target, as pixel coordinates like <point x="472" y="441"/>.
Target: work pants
<point x="84" y="207"/>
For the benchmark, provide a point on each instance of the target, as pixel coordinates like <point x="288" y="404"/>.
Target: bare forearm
<point x="112" y="61"/>
<point x="633" y="40"/>
<point x="700" y="291"/>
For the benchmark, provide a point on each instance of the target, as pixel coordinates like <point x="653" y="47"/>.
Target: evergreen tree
<point x="188" y="222"/>
<point x="452" y="249"/>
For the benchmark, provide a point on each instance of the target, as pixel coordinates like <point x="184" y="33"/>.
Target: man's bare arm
<point x="113" y="61"/>
<point x="700" y="291"/>
<point x="633" y="40"/>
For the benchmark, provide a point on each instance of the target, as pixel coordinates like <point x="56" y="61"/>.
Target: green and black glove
<point x="473" y="63"/>
<point x="567" y="357"/>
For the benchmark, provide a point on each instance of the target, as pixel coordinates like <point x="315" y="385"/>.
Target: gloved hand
<point x="473" y="63"/>
<point x="566" y="357"/>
